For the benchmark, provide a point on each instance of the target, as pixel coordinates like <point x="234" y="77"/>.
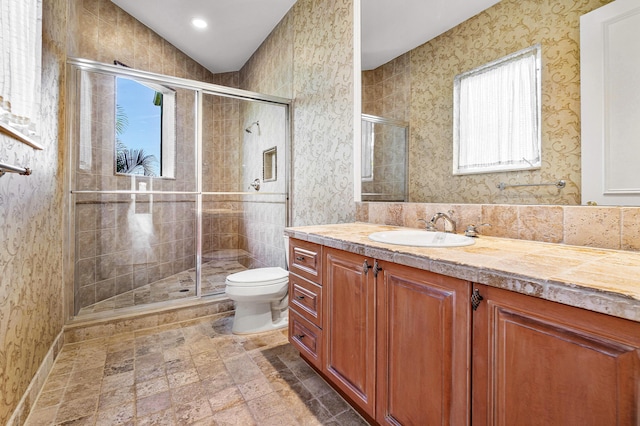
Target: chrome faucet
<point x="449" y="223"/>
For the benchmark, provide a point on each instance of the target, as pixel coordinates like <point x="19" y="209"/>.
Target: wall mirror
<point x="416" y="85"/>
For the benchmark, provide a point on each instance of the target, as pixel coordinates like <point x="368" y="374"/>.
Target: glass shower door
<point x="133" y="192"/>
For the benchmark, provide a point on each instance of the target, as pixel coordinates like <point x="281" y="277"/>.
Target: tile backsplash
<point x="603" y="227"/>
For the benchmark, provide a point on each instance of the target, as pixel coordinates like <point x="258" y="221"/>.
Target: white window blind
<point x="497" y="115"/>
<point x="20" y="65"/>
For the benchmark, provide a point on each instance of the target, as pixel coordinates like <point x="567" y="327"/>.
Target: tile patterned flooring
<point x="191" y="373"/>
<point x="215" y="268"/>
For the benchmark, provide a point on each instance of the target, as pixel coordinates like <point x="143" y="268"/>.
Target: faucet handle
<point x="472" y="230"/>
<point x="428" y="225"/>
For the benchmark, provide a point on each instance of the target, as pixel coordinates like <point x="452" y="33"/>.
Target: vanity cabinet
<point x="396" y="339"/>
<point x="540" y="362"/>
<point x="406" y="347"/>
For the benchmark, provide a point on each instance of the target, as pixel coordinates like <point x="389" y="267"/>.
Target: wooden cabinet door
<point x="537" y="362"/>
<point x="349" y="327"/>
<point x="423" y="348"/>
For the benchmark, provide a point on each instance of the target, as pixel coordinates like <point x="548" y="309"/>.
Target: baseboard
<point x="20" y="414"/>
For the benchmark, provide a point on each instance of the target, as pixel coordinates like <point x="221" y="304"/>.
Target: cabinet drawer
<point x="306" y="337"/>
<point x="305" y="259"/>
<point x="306" y="298"/>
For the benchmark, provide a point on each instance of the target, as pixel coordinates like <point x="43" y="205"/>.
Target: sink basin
<point x="418" y="238"/>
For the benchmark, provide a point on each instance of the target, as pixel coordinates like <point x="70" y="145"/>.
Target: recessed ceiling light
<point x="199" y="23"/>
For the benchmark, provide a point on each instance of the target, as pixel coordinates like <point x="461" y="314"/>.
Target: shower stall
<point x="174" y="184"/>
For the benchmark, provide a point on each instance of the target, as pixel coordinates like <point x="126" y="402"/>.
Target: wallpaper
<point x="31" y="208"/>
<point x="323" y="113"/>
<point x="505" y="28"/>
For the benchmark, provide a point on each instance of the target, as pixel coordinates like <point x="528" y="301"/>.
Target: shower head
<point x="256" y="123"/>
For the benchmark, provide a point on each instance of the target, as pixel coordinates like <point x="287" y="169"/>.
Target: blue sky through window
<point x="145" y="119"/>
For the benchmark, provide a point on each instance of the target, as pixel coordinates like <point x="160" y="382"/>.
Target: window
<point x="497" y="115"/>
<point x="145" y="129"/>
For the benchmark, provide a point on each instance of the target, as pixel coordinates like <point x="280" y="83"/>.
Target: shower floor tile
<point x="215" y="268"/>
<point x="195" y="372"/>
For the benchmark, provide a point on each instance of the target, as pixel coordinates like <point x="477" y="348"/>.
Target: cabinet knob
<point x="299" y="297"/>
<point x="300" y="258"/>
<point x="299" y="336"/>
<point x="376" y="269"/>
<point x="476" y="298"/>
<point x="365" y="267"/>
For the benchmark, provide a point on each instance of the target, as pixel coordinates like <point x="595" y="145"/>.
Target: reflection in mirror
<point x="144" y="128"/>
<point x="417" y="86"/>
<point x="384" y="159"/>
<point x="496" y="115"/>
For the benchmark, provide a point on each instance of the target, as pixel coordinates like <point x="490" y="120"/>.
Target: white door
<point x="610" y="100"/>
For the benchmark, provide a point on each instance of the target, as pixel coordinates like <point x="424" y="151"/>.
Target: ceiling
<point x="238" y="27"/>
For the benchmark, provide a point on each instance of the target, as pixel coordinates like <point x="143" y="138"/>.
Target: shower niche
<point x="270" y="165"/>
<point x="154" y="235"/>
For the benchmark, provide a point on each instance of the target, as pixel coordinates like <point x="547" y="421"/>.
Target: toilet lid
<point x="260" y="276"/>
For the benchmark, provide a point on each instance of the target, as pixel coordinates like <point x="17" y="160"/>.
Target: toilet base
<point x="256" y="318"/>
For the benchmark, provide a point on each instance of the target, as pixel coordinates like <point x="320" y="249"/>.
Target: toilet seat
<point x="258" y="277"/>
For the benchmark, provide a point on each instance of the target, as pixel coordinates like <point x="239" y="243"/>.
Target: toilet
<point x="260" y="296"/>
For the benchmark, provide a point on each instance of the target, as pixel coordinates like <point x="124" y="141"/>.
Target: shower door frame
<point x="75" y="66"/>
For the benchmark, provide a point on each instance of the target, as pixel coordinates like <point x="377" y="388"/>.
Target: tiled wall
<point x="604" y="227"/>
<point x="31" y="209"/>
<point x="386" y="90"/>
<point x="507" y="27"/>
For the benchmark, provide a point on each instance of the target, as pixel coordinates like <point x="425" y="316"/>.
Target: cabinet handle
<point x="365" y="267"/>
<point x="299" y="336"/>
<point x="476" y="298"/>
<point x="299" y="297"/>
<point x="376" y="269"/>
<point x="300" y="258"/>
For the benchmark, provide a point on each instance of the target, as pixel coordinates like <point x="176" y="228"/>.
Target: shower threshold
<point x="216" y="265"/>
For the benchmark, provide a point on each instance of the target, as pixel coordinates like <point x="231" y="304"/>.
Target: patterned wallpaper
<point x="323" y="113"/>
<point x="505" y="28"/>
<point x="31" y="208"/>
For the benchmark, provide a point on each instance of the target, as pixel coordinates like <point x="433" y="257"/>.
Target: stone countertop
<point x="600" y="280"/>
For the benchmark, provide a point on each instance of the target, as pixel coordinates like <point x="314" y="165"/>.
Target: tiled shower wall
<point x="603" y="227"/>
<point x="386" y="90"/>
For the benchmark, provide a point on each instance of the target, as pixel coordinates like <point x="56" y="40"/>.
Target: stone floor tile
<point x="42" y="417"/>
<point x="255" y="388"/>
<point x="187" y="393"/>
<point x="192" y="411"/>
<point x="152" y="404"/>
<point x="77" y="409"/>
<point x="151" y="387"/>
<point x="118" y="415"/>
<point x="159" y="418"/>
<point x="236" y="416"/>
<point x="117" y="381"/>
<point x="267" y="406"/>
<point x="182" y="378"/>
<point x="225" y="399"/>
<point x="350" y="418"/>
<point x="118" y="396"/>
